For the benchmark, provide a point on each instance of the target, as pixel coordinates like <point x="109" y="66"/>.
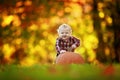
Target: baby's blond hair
<point x="64" y="26"/>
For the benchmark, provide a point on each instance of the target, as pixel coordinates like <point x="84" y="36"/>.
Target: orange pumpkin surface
<point x="69" y="58"/>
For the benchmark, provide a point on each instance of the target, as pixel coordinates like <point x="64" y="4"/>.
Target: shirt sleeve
<point x="57" y="46"/>
<point x="76" y="42"/>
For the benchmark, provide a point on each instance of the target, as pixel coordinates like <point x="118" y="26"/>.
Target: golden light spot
<point x="27" y="62"/>
<point x="42" y="42"/>
<point x="103" y="25"/>
<point x="100" y="5"/>
<point x="90" y="29"/>
<point x="7" y="20"/>
<point x="19" y="3"/>
<point x="44" y="26"/>
<point x="51" y="38"/>
<point x="20" y="10"/>
<point x="31" y="48"/>
<point x="41" y="51"/>
<point x="23" y="16"/>
<point x="67" y="9"/>
<point x="109" y="20"/>
<point x="73" y="23"/>
<point x="18" y="41"/>
<point x="33" y="27"/>
<point x="82" y="50"/>
<point x="16" y="21"/>
<point x="101" y="15"/>
<point x="50" y="47"/>
<point x="37" y="48"/>
<point x="91" y="55"/>
<point x="90" y="42"/>
<point x="28" y="3"/>
<point x="45" y="33"/>
<point x="8" y="50"/>
<point x="60" y="13"/>
<point x="76" y="10"/>
<point x="87" y="8"/>
<point x="74" y="0"/>
<point x="87" y="44"/>
<point x="32" y="39"/>
<point x="54" y="20"/>
<point x="107" y="51"/>
<point x="81" y="1"/>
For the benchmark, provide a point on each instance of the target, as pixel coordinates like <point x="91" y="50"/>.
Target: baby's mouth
<point x="64" y="36"/>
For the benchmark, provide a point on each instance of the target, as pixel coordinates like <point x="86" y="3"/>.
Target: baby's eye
<point x="67" y="32"/>
<point x="62" y="32"/>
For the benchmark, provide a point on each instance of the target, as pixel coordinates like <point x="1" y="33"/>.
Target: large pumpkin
<point x="69" y="58"/>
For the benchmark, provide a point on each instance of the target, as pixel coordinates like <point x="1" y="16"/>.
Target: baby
<point x="66" y="42"/>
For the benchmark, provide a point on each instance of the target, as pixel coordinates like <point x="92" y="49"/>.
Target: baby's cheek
<point x="60" y="35"/>
<point x="67" y="34"/>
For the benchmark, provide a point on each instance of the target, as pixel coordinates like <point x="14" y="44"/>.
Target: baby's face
<point x="64" y="33"/>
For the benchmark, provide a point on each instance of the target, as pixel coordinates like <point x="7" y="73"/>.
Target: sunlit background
<point x="28" y="29"/>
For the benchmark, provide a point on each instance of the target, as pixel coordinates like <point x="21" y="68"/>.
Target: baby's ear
<point x="58" y="30"/>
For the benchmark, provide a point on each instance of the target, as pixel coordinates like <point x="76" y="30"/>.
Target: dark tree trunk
<point x="116" y="25"/>
<point x="100" y="55"/>
<point x="114" y="8"/>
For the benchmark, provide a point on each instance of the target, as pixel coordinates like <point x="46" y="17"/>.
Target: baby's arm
<point x="58" y="48"/>
<point x="76" y="43"/>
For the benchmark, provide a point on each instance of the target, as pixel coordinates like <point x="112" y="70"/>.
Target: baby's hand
<point x="62" y="51"/>
<point x="73" y="46"/>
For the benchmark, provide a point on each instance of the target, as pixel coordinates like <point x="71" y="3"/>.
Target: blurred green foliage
<point x="59" y="72"/>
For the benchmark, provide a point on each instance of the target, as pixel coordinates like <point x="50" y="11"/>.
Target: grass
<point x="58" y="72"/>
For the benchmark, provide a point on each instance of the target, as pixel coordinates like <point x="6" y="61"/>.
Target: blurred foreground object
<point x="69" y="58"/>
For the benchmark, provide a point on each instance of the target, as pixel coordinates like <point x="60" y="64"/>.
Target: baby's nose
<point x="64" y="34"/>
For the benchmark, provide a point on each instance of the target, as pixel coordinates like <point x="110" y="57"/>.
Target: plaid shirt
<point x="66" y="44"/>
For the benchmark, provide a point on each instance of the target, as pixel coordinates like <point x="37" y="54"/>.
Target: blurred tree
<point x="116" y="27"/>
<point x="28" y="22"/>
<point x="106" y="16"/>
